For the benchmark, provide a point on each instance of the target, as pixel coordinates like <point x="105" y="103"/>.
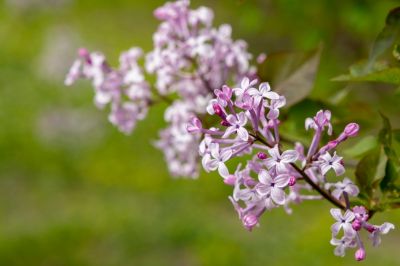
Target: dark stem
<point x="321" y="191"/>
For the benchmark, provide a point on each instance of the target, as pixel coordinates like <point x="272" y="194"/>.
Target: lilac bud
<point x="262" y="155"/>
<point x="194" y="125"/>
<point x="356" y="225"/>
<point x="261" y="58"/>
<point x="292" y="181"/>
<point x="249" y="221"/>
<point x="217" y="109"/>
<point x="351" y="130"/>
<point x="230" y="180"/>
<point x="360" y="254"/>
<point x="83" y="52"/>
<point x="225" y="123"/>
<point x="248" y="181"/>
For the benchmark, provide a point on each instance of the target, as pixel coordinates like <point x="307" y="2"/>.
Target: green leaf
<point x="362" y="146"/>
<point x="391" y="176"/>
<point x="291" y="74"/>
<point x="389" y="75"/>
<point x="396" y="134"/>
<point x="386" y="37"/>
<point x="370" y="170"/>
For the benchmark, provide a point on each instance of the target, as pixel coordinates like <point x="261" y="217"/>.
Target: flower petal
<point x="278" y="195"/>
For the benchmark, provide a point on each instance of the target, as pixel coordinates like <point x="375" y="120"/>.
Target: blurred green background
<point x="75" y="191"/>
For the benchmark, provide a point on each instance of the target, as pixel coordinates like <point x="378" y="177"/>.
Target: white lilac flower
<point x="326" y="162"/>
<point x="378" y="231"/>
<point x="217" y="158"/>
<point x="245" y="85"/>
<point x="278" y="161"/>
<point x="274" y="107"/>
<point x="345" y="186"/>
<point x="342" y="244"/>
<point x="273" y="186"/>
<point x="321" y="120"/>
<point x="263" y="91"/>
<point x="343" y="222"/>
<point x="237" y="125"/>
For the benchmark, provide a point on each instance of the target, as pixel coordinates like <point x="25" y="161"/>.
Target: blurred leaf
<point x="396" y="52"/>
<point x="391" y="176"/>
<point x="371" y="169"/>
<point x="361" y="147"/>
<point x="386" y="37"/>
<point x="291" y="74"/>
<point x="388" y="75"/>
<point x="379" y="71"/>
<point x="396" y="134"/>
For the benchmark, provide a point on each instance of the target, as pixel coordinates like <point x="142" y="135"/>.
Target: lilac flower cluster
<point x="274" y="175"/>
<point x="190" y="59"/>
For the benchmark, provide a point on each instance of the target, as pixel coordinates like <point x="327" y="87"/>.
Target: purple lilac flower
<point x="217" y="160"/>
<point x="342" y="244"/>
<point x="273" y="186"/>
<point x="321" y="120"/>
<point x="237" y="123"/>
<point x="343" y="222"/>
<point x="345" y="186"/>
<point x="326" y="162"/>
<point x="383" y="229"/>
<point x="280" y="162"/>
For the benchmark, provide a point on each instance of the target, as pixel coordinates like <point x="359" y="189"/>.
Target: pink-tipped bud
<point x="217" y="109"/>
<point x="360" y="254"/>
<point x="250" y="182"/>
<point x="356" y="225"/>
<point x="83" y="52"/>
<point x="261" y="58"/>
<point x="262" y="155"/>
<point x="292" y="181"/>
<point x="194" y="125"/>
<point x="225" y="123"/>
<point x="351" y="130"/>
<point x="369" y="227"/>
<point x="249" y="221"/>
<point x="230" y="180"/>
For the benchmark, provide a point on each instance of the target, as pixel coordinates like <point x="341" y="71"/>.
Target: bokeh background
<point x="75" y="191"/>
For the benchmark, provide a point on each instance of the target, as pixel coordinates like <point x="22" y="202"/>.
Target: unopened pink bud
<point x="225" y="123"/>
<point x="230" y="180"/>
<point x="262" y="155"/>
<point x="292" y="181"/>
<point x="83" y="52"/>
<point x="250" y="182"/>
<point x="360" y="254"/>
<point x="249" y="221"/>
<point x="217" y="109"/>
<point x="351" y="129"/>
<point x="356" y="225"/>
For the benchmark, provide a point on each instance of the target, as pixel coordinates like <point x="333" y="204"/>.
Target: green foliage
<point x="384" y="70"/>
<point x="377" y="173"/>
<point x="291" y="74"/>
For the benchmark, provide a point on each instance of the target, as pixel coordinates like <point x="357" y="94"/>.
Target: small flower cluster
<point x="273" y="176"/>
<point x="351" y="223"/>
<point x="190" y="59"/>
<point x="124" y="89"/>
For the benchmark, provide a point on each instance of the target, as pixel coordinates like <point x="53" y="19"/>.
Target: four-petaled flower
<point x="345" y="186"/>
<point x="273" y="186"/>
<point x="380" y="230"/>
<point x="326" y="162"/>
<point x="343" y="222"/>
<point x="237" y="125"/>
<point x="342" y="244"/>
<point x="217" y="159"/>
<point x="274" y="107"/>
<point x="280" y="161"/>
<point x="263" y="91"/>
<point x="321" y="120"/>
